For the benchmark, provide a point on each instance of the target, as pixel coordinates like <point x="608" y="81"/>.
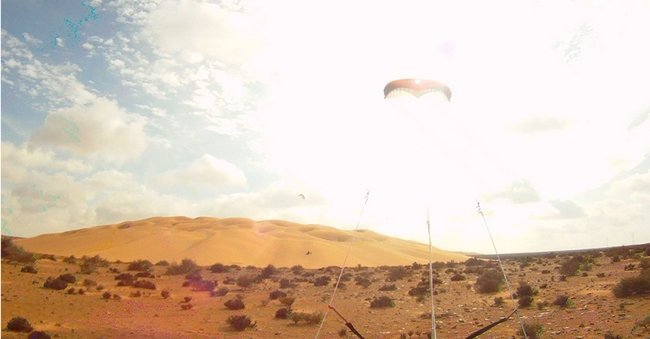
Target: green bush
<point x="489" y="281"/>
<point x="533" y="330"/>
<point x="382" y="302"/>
<point x="634" y="285"/>
<point x="19" y="324"/>
<point x="575" y="264"/>
<point x="240" y="322"/>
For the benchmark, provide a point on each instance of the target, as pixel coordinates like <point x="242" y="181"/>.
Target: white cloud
<point x="518" y="192"/>
<point x="30" y="39"/>
<point x="97" y="128"/>
<point x="18" y="161"/>
<point x="187" y="26"/>
<point x="206" y="172"/>
<point x="566" y="209"/>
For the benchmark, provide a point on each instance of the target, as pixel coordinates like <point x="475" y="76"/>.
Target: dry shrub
<point x="88" y="283"/>
<point x="144" y="284"/>
<point x="287" y="301"/>
<point x="29" y="269"/>
<point x="220" y="292"/>
<point x="322" y="280"/>
<point x="391" y="287"/>
<point x="67" y="277"/>
<point x="245" y="280"/>
<point x="55" y="284"/>
<point x="364" y="282"/>
<point x="219" y="268"/>
<point x="397" y="273"/>
<point x="240" y="322"/>
<point x="562" y="301"/>
<point x="277" y="294"/>
<point x="458" y="277"/>
<point x="164" y="294"/>
<point x="525" y="300"/>
<point x="186" y="307"/>
<point x="140" y="265"/>
<point x="268" y="271"/>
<point x="382" y="302"/>
<point x="12" y="252"/>
<point x="638" y="285"/>
<point x="282" y="313"/>
<point x="234" y="304"/>
<point x="39" y="335"/>
<point x="533" y="330"/>
<point x="525" y="289"/>
<point x="19" y="324"/>
<point x="286" y="283"/>
<point x="308" y="318"/>
<point x="186" y="266"/>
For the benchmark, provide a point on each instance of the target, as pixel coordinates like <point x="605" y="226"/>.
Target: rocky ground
<point x="592" y="310"/>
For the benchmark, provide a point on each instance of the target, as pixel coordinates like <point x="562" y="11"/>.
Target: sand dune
<point x="234" y="241"/>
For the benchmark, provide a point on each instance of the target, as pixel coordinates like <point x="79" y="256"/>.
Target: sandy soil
<point x="459" y="308"/>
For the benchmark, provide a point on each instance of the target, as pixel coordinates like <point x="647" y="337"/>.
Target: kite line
<point x="330" y="307"/>
<point x="505" y="278"/>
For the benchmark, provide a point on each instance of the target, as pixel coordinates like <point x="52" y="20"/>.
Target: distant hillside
<point x="235" y="241"/>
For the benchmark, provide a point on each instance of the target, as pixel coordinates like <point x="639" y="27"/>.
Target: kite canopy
<point x="415" y="87"/>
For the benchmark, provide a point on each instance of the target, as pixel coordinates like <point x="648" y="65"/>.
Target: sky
<point x="119" y="110"/>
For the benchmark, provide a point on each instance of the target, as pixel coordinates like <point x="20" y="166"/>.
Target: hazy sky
<point x="123" y="110"/>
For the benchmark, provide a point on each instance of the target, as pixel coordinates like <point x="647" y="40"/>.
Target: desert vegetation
<point x="292" y="301"/>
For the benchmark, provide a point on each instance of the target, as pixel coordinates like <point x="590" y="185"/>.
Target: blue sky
<point x="122" y="110"/>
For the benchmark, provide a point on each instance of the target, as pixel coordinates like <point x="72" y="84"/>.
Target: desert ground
<point x="195" y="306"/>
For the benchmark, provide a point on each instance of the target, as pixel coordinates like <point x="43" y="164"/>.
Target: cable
<point x="512" y="295"/>
<point x="433" y="311"/>
<point x="342" y="268"/>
